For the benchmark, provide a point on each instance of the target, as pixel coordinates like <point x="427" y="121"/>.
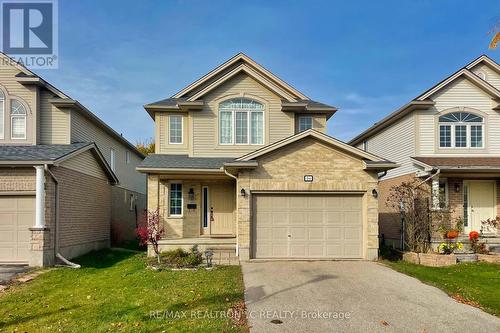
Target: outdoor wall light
<point x="375" y="193"/>
<point x="243" y="192"/>
<point x="457" y="187"/>
<point x="191" y="194"/>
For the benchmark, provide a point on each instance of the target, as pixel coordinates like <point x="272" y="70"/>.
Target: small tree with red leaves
<point x="150" y="230"/>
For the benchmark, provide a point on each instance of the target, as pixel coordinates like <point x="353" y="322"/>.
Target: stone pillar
<point x="40" y="197"/>
<point x="435" y="192"/>
<point x="372" y="221"/>
<point x="41" y="250"/>
<point x="153" y="195"/>
<point x="244" y="216"/>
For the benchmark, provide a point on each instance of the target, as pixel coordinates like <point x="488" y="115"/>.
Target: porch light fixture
<point x="375" y="193"/>
<point x="191" y="194"/>
<point x="243" y="192"/>
<point x="457" y="187"/>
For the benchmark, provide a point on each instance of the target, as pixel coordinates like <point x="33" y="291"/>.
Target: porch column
<point x="40" y="197"/>
<point x="435" y="192"/>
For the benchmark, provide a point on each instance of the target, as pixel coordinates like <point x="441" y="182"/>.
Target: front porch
<point x="469" y="189"/>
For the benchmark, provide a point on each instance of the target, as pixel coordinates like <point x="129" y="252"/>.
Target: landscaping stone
<point x="411" y="257"/>
<point x="430" y="259"/>
<point x="491" y="258"/>
<point x="466" y="257"/>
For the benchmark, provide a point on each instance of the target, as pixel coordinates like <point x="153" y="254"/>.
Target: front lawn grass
<point x="114" y="292"/>
<point x="473" y="283"/>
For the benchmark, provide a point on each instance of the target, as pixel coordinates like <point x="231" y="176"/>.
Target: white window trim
<point x="112" y="159"/>
<point x="24" y="129"/>
<point x="468" y="134"/>
<point x="181" y="215"/>
<point x="127" y="157"/>
<point x="4" y="99"/>
<point x="249" y="128"/>
<point x="305" y="117"/>
<point x="170" y="129"/>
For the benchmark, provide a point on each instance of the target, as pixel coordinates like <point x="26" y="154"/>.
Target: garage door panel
<point x="17" y="215"/>
<point x="320" y="226"/>
<point x="315" y="217"/>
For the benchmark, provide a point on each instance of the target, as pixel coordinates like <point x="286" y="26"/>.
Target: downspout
<point x="56" y="225"/>
<point x="237" y="211"/>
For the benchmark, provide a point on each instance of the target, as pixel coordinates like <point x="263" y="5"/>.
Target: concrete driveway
<point x="351" y="296"/>
<point x="7" y="272"/>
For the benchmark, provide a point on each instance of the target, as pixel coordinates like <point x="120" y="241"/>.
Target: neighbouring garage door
<point x="307" y="226"/>
<point x="17" y="215"/>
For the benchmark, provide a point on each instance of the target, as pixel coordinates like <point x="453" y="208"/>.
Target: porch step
<point x="494" y="249"/>
<point x="466" y="257"/>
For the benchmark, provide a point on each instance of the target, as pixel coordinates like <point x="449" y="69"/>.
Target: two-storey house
<point x="243" y="164"/>
<point x="67" y="180"/>
<point x="450" y="136"/>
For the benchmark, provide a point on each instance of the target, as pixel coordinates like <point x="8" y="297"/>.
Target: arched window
<point x="17" y="120"/>
<point x="461" y="130"/>
<point x="241" y="121"/>
<point x="2" y="114"/>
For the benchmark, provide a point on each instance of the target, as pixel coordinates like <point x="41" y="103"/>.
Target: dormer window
<point x="241" y="121"/>
<point x="461" y="130"/>
<point x="305" y="123"/>
<point x="17" y="120"/>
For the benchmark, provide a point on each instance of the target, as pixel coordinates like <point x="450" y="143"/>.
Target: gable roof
<point x="27" y="77"/>
<point x="189" y="98"/>
<point x="51" y="155"/>
<point x="239" y="58"/>
<point x="374" y="161"/>
<point x="423" y="102"/>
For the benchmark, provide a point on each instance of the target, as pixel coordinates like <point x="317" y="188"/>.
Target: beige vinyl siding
<point x="318" y="122"/>
<point x="277" y="124"/>
<point x="54" y="122"/>
<point x="492" y="77"/>
<point x="85" y="163"/>
<point x="83" y="130"/>
<point x="397" y="144"/>
<point x="162" y="126"/>
<point x="27" y="94"/>
<point x="461" y="93"/>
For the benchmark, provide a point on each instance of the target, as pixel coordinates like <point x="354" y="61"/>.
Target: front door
<point x="481" y="203"/>
<point x="218" y="210"/>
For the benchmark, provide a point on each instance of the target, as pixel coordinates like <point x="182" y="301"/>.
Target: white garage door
<point x="307" y="226"/>
<point x="17" y="215"/>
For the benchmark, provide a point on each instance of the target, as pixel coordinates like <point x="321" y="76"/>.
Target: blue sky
<point x="367" y="58"/>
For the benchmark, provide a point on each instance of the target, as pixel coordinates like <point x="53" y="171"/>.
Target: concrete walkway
<point x="7" y="272"/>
<point x="343" y="296"/>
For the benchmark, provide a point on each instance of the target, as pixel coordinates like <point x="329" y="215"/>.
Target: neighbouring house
<point x="66" y="178"/>
<point x="243" y="165"/>
<point x="449" y="136"/>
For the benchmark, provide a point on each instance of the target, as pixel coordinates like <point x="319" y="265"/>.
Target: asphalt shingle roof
<point x="38" y="152"/>
<point x="183" y="161"/>
<point x="460" y="162"/>
<point x="168" y="102"/>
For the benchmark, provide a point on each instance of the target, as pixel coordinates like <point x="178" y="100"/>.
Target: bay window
<point x="461" y="130"/>
<point x="241" y="121"/>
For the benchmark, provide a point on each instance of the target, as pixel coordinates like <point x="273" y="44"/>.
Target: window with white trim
<point x="2" y="115"/>
<point x="241" y="121"/>
<point x="175" y="199"/>
<point x="127" y="157"/>
<point x="17" y="120"/>
<point x="112" y="159"/>
<point x="175" y="129"/>
<point x="461" y="130"/>
<point x="305" y="123"/>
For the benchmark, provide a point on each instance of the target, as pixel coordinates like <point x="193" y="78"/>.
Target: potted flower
<point x="475" y="245"/>
<point x="449" y="247"/>
<point x="451" y="231"/>
<point x="452" y="234"/>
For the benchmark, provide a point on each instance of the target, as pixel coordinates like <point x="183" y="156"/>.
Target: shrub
<point x="180" y="258"/>
<point x="475" y="245"/>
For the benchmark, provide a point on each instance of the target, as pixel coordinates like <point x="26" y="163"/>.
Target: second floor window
<point x="241" y="121"/>
<point x="2" y="113"/>
<point x="175" y="129"/>
<point x="305" y="123"/>
<point x="17" y="120"/>
<point x="461" y="130"/>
